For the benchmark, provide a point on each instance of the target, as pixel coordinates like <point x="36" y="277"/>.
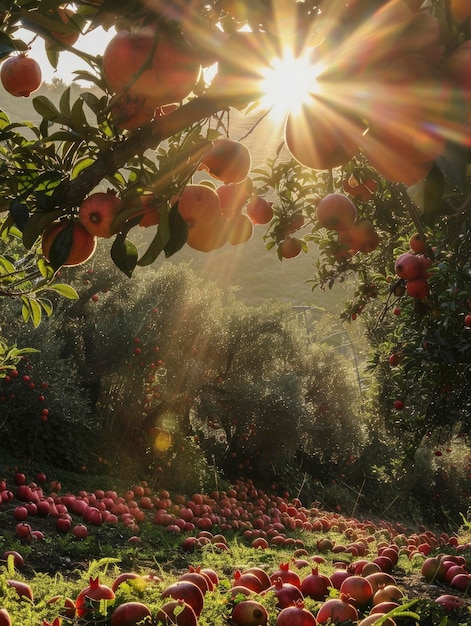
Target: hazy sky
<point x="93" y="43"/>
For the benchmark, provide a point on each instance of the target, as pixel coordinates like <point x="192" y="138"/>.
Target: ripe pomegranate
<point x="360" y="237"/>
<point x="17" y="558"/>
<point x="187" y="591"/>
<point x="338" y="576"/>
<point x="67" y="607"/>
<point x="290" y="248"/>
<point x="358" y="590"/>
<point x="259" y="210"/>
<point x="417" y="243"/>
<point x="199" y="579"/>
<point x="68" y="37"/>
<point x="418" y="288"/>
<point x="336" y="212"/>
<point x="20" y="75"/>
<point x="199" y="205"/>
<point x="97" y="213"/>
<point x="211" y="574"/>
<point x="295" y="615"/>
<point x="388" y="593"/>
<point x="157" y="73"/>
<point x="384" y="607"/>
<point x="239" y="229"/>
<point x="315" y="585"/>
<point x="408" y="266"/>
<point x="286" y="594"/>
<point x="286" y="574"/>
<point x="249" y="580"/>
<point x="94" y="592"/>
<point x="227" y="160"/>
<point x="449" y="601"/>
<point x="336" y="611"/>
<point x="21" y="588"/>
<point x="4" y="618"/>
<point x="249" y="613"/>
<point x="127" y="576"/>
<point x="67" y="243"/>
<point x="176" y="613"/>
<point x="461" y="582"/>
<point x="233" y="197"/>
<point x="261" y="574"/>
<point x="131" y="614"/>
<point x="130" y="111"/>
<point x="322" y="136"/>
<point x="23" y="530"/>
<point x="379" y="579"/>
<point x="452" y="571"/>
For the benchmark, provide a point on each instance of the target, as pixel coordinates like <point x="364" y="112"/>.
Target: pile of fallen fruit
<point x="337" y="569"/>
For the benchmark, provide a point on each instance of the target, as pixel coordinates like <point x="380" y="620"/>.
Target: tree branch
<point x="148" y="137"/>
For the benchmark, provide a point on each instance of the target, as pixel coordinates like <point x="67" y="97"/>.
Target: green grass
<point x="106" y="553"/>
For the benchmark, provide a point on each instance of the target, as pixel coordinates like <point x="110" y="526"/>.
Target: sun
<point x="288" y="83"/>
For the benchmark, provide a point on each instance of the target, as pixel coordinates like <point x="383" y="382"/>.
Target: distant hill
<point x="256" y="275"/>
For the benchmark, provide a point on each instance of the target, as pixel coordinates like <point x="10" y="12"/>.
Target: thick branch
<point x="145" y="138"/>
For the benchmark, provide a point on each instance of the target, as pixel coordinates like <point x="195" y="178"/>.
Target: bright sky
<point x="92" y="43"/>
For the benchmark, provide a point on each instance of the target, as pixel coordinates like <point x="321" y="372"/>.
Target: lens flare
<point x="288" y="83"/>
<point x="162" y="441"/>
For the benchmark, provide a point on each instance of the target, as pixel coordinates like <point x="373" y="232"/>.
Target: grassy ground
<point x="62" y="565"/>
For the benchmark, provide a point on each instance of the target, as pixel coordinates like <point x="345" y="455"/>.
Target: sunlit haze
<point x="92" y="43"/>
<point x="288" y="83"/>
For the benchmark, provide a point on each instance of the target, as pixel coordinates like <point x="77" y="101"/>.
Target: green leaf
<point x="133" y="214"/>
<point x="61" y="246"/>
<point x="53" y="55"/>
<point x="42" y="22"/>
<point x="8" y="229"/>
<point x="19" y="212"/>
<point x="453" y="162"/>
<point x="4" y="120"/>
<point x="31" y="310"/>
<point x="46" y="108"/>
<point x="79" y="121"/>
<point x="178" y="232"/>
<point x="93" y="102"/>
<point x="6" y="265"/>
<point x="16" y="352"/>
<point x="66" y="291"/>
<point x="44" y="127"/>
<point x="89" y="77"/>
<point x="7" y="45"/>
<point x="65" y="135"/>
<point x="48" y="181"/>
<point x="64" y="103"/>
<point x="37" y="222"/>
<point x="157" y="245"/>
<point x="46" y="306"/>
<point x="155" y="248"/>
<point x="79" y="166"/>
<point x="432" y="195"/>
<point x="124" y="255"/>
<point x="46" y="270"/>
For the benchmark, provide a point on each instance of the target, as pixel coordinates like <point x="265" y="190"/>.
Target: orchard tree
<point x="373" y="99"/>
